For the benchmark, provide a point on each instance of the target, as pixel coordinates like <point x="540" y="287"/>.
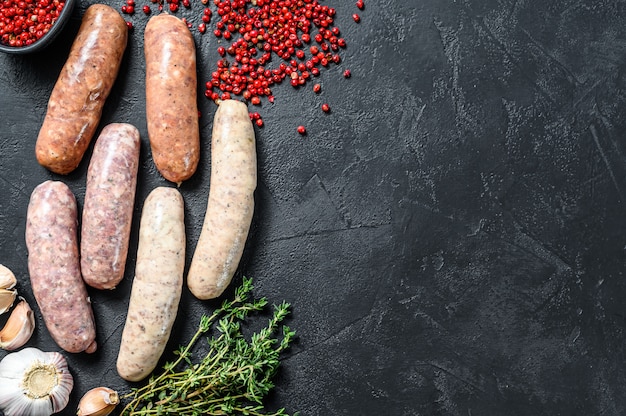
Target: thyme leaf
<point x="234" y="376"/>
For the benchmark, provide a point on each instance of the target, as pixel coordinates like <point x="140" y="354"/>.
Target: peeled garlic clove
<point x="19" y="327"/>
<point x="99" y="401"/>
<point x="7" y="278"/>
<point x="34" y="382"/>
<point x="7" y="297"/>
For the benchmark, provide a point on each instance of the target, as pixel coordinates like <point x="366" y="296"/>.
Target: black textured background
<point x="451" y="236"/>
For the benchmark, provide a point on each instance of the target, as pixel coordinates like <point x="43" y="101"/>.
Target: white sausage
<point x="230" y="204"/>
<point x="157" y="285"/>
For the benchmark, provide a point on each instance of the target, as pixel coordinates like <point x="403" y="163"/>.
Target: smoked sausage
<point x="157" y="286"/>
<point x="171" y="97"/>
<point x="230" y="204"/>
<point x="54" y="267"/>
<point x="108" y="207"/>
<point x="77" y="99"/>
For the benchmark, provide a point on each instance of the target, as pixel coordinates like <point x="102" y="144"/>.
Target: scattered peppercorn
<point x="325" y="108"/>
<point x="264" y="43"/>
<point x="347" y="73"/>
<point x="302" y="130"/>
<point x="261" y="30"/>
<point x="146" y="9"/>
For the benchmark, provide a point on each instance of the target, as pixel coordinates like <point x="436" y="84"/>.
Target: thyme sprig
<point x="232" y="378"/>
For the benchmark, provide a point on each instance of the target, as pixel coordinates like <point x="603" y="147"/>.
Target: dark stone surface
<point x="451" y="235"/>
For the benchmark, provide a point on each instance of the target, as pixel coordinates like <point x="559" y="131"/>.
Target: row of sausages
<point x="85" y="82"/>
<point x="61" y="266"/>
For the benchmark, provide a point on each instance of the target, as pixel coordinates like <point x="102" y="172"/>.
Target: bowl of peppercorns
<point x="30" y="25"/>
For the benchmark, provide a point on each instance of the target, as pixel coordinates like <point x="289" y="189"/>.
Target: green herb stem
<point x="232" y="378"/>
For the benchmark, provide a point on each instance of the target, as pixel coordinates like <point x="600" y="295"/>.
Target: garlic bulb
<point x="99" y="401"/>
<point x="19" y="327"/>
<point x="34" y="382"/>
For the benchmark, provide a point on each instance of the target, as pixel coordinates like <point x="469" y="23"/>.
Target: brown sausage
<point x="230" y="204"/>
<point x="54" y="267"/>
<point x="108" y="207"/>
<point x="171" y="97"/>
<point x="157" y="286"/>
<point x="77" y="99"/>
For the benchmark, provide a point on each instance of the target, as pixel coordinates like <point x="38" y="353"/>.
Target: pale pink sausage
<point x="108" y="207"/>
<point x="54" y="268"/>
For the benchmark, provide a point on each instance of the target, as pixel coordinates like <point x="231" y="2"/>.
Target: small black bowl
<point x="46" y="39"/>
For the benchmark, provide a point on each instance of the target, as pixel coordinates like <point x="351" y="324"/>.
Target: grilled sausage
<point x="77" y="99"/>
<point x="231" y="202"/>
<point x="157" y="286"/>
<point x="171" y="97"/>
<point x="54" y="268"/>
<point x="108" y="207"/>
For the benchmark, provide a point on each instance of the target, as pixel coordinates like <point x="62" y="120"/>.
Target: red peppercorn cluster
<point x="263" y="43"/>
<point x="23" y="22"/>
<point x="300" y="33"/>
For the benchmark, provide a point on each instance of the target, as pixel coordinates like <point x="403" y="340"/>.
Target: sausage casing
<point x="77" y="99"/>
<point x="108" y="207"/>
<point x="157" y="285"/>
<point x="230" y="204"/>
<point x="54" y="267"/>
<point x="171" y="97"/>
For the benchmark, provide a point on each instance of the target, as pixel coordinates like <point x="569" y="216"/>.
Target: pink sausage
<point x="108" y="207"/>
<point x="54" y="267"/>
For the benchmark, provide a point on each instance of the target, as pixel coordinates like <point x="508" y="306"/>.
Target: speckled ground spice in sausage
<point x="171" y="97"/>
<point x="77" y="99"/>
<point x="157" y="285"/>
<point x="108" y="208"/>
<point x="230" y="204"/>
<point x="53" y="265"/>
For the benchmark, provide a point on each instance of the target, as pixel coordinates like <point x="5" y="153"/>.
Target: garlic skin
<point x="18" y="328"/>
<point x="7" y="298"/>
<point x="34" y="382"/>
<point x="7" y="278"/>
<point x="99" y="401"/>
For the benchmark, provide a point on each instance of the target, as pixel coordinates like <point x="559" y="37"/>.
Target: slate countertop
<point x="451" y="236"/>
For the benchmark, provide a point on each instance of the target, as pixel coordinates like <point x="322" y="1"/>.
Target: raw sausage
<point x="76" y="102"/>
<point x="108" y="206"/>
<point x="171" y="97"/>
<point x="54" y="268"/>
<point x="157" y="286"/>
<point x="231" y="202"/>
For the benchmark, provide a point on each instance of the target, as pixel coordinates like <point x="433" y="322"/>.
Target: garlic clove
<point x="19" y="327"/>
<point x="7" y="298"/>
<point x="99" y="401"/>
<point x="7" y="278"/>
<point x="34" y="382"/>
